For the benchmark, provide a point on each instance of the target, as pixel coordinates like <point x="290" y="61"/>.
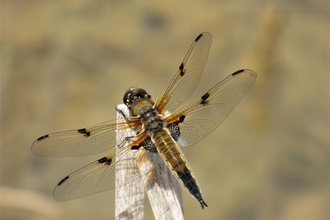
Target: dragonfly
<point x="160" y="127"/>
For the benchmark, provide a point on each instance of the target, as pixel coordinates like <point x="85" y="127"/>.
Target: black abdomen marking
<point x="191" y="184"/>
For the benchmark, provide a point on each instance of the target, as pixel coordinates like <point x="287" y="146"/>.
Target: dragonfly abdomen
<point x="174" y="159"/>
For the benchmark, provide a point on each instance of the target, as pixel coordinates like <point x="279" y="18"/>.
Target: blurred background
<point x="67" y="64"/>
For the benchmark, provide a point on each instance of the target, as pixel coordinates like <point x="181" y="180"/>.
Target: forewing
<point x="186" y="79"/>
<point x="199" y="119"/>
<point x="81" y="142"/>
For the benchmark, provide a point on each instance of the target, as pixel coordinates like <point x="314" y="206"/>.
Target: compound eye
<point x="126" y="98"/>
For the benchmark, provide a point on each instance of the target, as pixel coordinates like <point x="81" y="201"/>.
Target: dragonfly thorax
<point x="152" y="120"/>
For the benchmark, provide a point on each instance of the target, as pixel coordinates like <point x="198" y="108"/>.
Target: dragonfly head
<point x="135" y="97"/>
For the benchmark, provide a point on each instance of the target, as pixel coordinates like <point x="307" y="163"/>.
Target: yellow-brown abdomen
<point x="174" y="159"/>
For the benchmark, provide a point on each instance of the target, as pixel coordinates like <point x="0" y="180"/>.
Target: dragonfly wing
<point x="196" y="121"/>
<point x="101" y="176"/>
<point x="80" y="142"/>
<point x="186" y="79"/>
<point x="96" y="177"/>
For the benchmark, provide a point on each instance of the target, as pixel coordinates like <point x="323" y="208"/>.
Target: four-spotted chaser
<point x="160" y="127"/>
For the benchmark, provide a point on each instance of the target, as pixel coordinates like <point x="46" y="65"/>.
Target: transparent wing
<point x="100" y="175"/>
<point x="200" y="118"/>
<point x="96" y="177"/>
<point x="118" y="168"/>
<point x="81" y="142"/>
<point x="186" y="79"/>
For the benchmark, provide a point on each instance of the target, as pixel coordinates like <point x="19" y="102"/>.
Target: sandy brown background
<point x="66" y="64"/>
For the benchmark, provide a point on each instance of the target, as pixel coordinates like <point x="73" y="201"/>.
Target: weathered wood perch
<point x="162" y="187"/>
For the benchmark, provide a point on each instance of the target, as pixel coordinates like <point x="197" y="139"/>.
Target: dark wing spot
<point x="63" y="180"/>
<point x="43" y="137"/>
<point x="203" y="102"/>
<point x="102" y="160"/>
<point x="237" y="72"/>
<point x="181" y="67"/>
<point x="109" y="161"/>
<point x="204" y="97"/>
<point x="84" y="131"/>
<point x="198" y="37"/>
<point x="105" y="160"/>
<point x="182" y="117"/>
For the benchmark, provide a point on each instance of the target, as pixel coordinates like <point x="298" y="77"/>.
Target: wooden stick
<point x="163" y="189"/>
